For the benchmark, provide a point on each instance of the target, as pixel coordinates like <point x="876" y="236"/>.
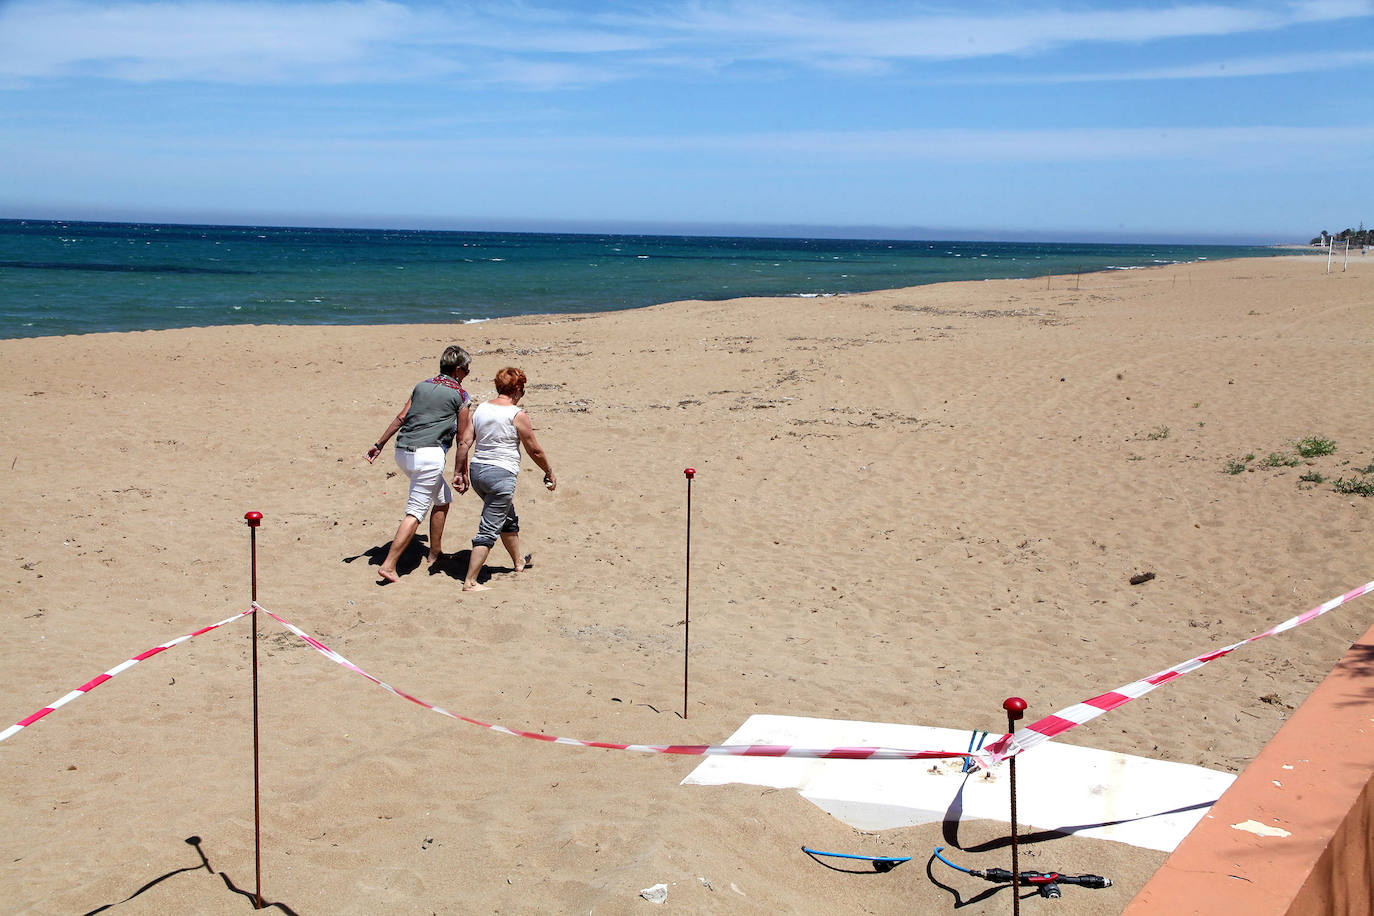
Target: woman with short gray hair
<point x="435" y="413"/>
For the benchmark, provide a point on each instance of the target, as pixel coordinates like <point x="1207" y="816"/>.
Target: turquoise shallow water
<point x="75" y="277"/>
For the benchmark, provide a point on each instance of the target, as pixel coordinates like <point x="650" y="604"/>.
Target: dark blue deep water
<point x="81" y="277"/>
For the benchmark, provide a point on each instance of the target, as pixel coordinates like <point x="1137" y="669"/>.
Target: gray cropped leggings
<point x="496" y="486"/>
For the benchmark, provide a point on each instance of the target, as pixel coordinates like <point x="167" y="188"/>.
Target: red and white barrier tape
<point x="994" y="753"/>
<point x="735" y="750"/>
<point x="989" y="756"/>
<point x="97" y="681"/>
<point x="1079" y="713"/>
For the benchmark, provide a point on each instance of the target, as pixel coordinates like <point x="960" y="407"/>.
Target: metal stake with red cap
<point x="687" y="593"/>
<point x="254" y="519"/>
<point x="1016" y="708"/>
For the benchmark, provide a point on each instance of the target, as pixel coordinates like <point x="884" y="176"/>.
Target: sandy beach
<point x="908" y="505"/>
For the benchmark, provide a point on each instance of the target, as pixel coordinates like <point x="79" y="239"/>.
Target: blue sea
<point x="86" y="277"/>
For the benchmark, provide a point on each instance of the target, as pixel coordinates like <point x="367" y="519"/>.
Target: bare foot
<point x="525" y="563"/>
<point x="434" y="559"/>
<point x="388" y="574"/>
<point x="476" y="587"/>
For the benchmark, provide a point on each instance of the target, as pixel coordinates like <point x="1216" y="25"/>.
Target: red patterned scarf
<point x="448" y="383"/>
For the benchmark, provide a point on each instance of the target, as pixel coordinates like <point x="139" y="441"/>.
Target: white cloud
<point x="330" y="41"/>
<point x="772" y="30"/>
<point x="213" y="40"/>
<point x="1061" y="146"/>
<point x="1277" y="65"/>
<point x="1241" y="146"/>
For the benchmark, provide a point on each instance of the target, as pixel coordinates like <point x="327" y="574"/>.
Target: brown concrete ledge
<point x="1295" y="832"/>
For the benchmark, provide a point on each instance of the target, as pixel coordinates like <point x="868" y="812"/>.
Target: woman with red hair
<point x="499" y="429"/>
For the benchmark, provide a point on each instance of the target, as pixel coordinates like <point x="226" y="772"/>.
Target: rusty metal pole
<point x="687" y="593"/>
<point x="1015" y="707"/>
<point x="254" y="519"/>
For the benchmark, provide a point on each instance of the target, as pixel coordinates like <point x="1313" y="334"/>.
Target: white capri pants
<point x="425" y="468"/>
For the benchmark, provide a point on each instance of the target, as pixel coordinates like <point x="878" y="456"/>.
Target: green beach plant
<point x="1281" y="460"/>
<point x="1355" y="486"/>
<point x="1315" y="446"/>
<point x="1159" y="432"/>
<point x="1238" y="465"/>
<point x="1313" y="477"/>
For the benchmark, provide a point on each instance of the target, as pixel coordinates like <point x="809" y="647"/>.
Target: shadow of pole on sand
<point x="193" y="841"/>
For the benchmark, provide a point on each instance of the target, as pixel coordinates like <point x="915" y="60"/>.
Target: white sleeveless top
<point x="497" y="442"/>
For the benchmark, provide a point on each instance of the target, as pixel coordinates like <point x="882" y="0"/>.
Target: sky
<point x="1066" y="119"/>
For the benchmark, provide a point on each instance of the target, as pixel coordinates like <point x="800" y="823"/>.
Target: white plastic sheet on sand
<point x="1061" y="787"/>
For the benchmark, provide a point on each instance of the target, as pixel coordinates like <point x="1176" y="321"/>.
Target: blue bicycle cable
<point x="938" y="849"/>
<point x="981" y="737"/>
<point x="846" y="855"/>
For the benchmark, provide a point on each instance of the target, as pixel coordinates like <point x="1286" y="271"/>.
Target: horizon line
<point x="687" y="228"/>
